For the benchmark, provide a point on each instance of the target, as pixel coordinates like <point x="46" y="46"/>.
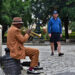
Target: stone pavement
<point x="54" y="65"/>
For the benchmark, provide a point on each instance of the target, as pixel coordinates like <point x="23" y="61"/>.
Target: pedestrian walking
<point x="55" y="32"/>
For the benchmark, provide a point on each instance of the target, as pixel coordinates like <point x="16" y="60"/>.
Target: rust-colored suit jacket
<point x="15" y="42"/>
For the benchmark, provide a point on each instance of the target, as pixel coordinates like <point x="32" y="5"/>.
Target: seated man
<point x="15" y="42"/>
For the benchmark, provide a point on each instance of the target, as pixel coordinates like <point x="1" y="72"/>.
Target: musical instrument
<point x="33" y="34"/>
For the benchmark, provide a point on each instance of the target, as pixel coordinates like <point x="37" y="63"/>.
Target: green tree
<point x="14" y="8"/>
<point x="40" y="8"/>
<point x="43" y="8"/>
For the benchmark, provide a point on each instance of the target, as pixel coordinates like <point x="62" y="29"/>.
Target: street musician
<point x="15" y="42"/>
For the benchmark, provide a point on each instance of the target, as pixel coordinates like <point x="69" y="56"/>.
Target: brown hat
<point x="17" y="20"/>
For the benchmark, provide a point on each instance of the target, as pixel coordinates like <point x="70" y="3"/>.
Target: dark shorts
<point x="55" y="37"/>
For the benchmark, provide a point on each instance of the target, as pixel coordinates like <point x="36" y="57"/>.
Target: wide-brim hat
<point x="17" y="20"/>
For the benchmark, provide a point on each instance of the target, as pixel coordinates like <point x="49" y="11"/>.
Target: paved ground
<point x="54" y="65"/>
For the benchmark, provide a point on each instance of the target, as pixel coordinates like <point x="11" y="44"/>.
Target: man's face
<point x="55" y="15"/>
<point x="19" y="25"/>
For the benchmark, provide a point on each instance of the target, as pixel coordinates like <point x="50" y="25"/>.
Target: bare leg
<point x="52" y="47"/>
<point x="59" y="47"/>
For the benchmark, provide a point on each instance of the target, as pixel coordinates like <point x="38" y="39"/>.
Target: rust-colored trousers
<point x="33" y="55"/>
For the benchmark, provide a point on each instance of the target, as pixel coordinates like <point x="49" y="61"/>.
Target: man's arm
<point x="20" y="37"/>
<point x="49" y="28"/>
<point x="60" y="27"/>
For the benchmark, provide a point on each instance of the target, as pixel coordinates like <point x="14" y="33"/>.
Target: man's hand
<point x="28" y="31"/>
<point x="50" y="35"/>
<point x="60" y="35"/>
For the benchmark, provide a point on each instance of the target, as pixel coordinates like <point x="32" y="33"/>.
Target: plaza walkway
<point x="54" y="65"/>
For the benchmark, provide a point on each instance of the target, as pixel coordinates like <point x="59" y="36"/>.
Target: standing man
<point x="15" y="42"/>
<point x="55" y="32"/>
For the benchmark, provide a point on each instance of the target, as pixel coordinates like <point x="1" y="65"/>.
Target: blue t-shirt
<point x="54" y="25"/>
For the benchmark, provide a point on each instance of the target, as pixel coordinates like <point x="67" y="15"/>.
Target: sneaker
<point x="52" y="53"/>
<point x="38" y="68"/>
<point x="32" y="72"/>
<point x="60" y="54"/>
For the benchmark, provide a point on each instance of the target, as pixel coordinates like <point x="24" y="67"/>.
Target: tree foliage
<point x="42" y="9"/>
<point x="14" y="8"/>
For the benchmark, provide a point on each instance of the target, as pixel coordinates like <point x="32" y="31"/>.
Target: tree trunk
<point x="66" y="32"/>
<point x="66" y="23"/>
<point x="3" y="32"/>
